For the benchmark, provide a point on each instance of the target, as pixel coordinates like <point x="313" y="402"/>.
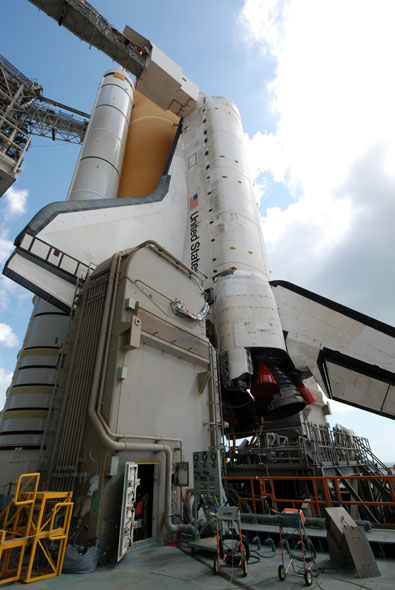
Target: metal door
<point x="127" y="523"/>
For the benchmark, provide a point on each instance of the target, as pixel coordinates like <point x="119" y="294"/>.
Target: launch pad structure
<point x="156" y="333"/>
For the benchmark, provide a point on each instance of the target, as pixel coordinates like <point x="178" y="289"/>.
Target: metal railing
<point x="309" y="444"/>
<point x="262" y="492"/>
<point x="44" y="121"/>
<point x="84" y="21"/>
<point x="54" y="257"/>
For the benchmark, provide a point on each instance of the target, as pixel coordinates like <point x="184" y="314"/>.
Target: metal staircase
<point x="373" y="492"/>
<point x="376" y="487"/>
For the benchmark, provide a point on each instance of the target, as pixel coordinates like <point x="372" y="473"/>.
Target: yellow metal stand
<point x="33" y="532"/>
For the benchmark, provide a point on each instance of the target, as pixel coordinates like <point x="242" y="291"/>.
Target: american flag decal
<point x="193" y="202"/>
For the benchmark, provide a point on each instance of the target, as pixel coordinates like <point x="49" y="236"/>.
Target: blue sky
<point x="311" y="80"/>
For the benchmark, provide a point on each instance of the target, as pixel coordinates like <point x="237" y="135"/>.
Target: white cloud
<point x="265" y="154"/>
<point x="15" y="201"/>
<point x="6" y="246"/>
<point x="5" y="380"/>
<point x="7" y="336"/>
<point x="264" y="23"/>
<point x="339" y="408"/>
<point x="360" y="265"/>
<point x="6" y="286"/>
<point x="9" y="290"/>
<point x="333" y="96"/>
<point x="332" y="89"/>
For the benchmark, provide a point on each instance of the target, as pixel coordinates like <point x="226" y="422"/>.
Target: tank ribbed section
<point x="30" y="393"/>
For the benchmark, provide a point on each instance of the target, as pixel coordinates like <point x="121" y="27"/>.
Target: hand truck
<point x="232" y="547"/>
<point x="302" y="550"/>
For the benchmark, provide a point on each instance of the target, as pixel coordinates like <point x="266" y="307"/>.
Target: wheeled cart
<point x="296" y="547"/>
<point x="232" y="548"/>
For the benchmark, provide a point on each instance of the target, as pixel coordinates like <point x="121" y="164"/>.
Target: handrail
<point x="327" y="490"/>
<point x="373" y="461"/>
<point x="313" y="444"/>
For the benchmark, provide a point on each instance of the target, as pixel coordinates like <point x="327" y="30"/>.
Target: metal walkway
<point x="163" y="81"/>
<point x="83" y="20"/>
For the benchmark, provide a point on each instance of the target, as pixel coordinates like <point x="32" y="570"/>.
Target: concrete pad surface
<point x="150" y="566"/>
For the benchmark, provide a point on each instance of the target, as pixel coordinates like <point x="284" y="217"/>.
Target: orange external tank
<point x="150" y="137"/>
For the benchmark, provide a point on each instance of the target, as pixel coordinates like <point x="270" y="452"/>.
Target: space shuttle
<point x="156" y="327"/>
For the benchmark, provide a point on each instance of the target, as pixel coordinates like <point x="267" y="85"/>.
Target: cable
<point x="256" y="560"/>
<point x="256" y="553"/>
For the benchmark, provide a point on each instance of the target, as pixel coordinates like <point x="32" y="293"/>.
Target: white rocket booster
<point x="98" y="170"/>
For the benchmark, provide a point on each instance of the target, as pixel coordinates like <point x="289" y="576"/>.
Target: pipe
<point x="104" y="330"/>
<point x="106" y="436"/>
<point x="145" y="447"/>
<point x="310" y="521"/>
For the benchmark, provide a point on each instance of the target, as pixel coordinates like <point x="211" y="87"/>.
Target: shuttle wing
<point x="351" y="355"/>
<point x="65" y="239"/>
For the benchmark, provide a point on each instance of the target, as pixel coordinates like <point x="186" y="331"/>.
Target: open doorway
<point x="144" y="501"/>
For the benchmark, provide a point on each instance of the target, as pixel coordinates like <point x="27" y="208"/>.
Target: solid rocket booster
<point x="98" y="170"/>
